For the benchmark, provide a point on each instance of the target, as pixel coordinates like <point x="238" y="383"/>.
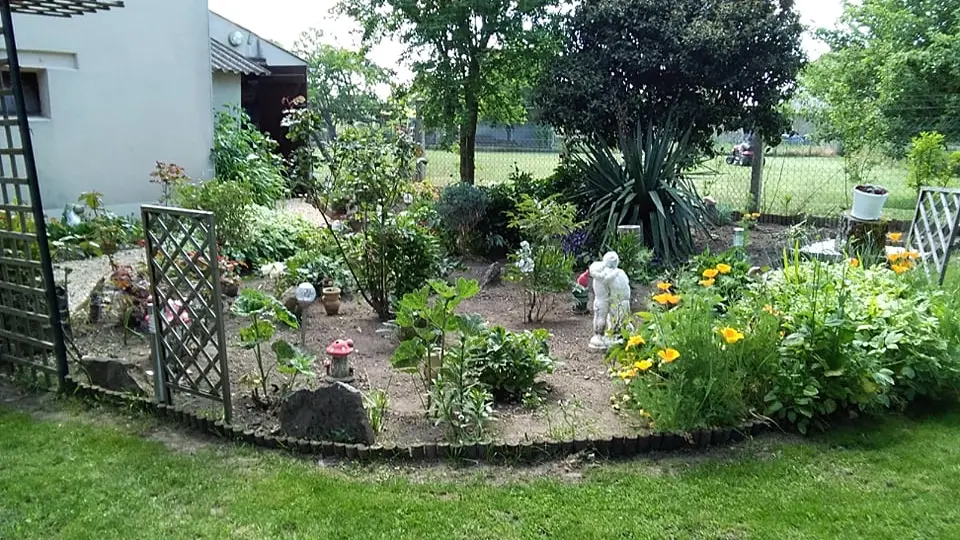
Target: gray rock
<point x="332" y="412"/>
<point x="289" y="301"/>
<point x="115" y="374"/>
<point x="492" y="275"/>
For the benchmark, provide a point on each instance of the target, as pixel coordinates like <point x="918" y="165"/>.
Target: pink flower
<point x="175" y="309"/>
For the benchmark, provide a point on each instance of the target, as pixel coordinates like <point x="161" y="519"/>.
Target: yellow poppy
<point x="635" y="341"/>
<point x="667" y="298"/>
<point x="664" y="286"/>
<point x="854" y="262"/>
<point x="894" y="236"/>
<point x="731" y="335"/>
<point x="755" y="215"/>
<point x="724" y="268"/>
<point x="707" y="282"/>
<point x="894" y="257"/>
<point x="710" y="273"/>
<point x="912" y="255"/>
<point x="643" y="365"/>
<point x="900" y="268"/>
<point x="668" y="355"/>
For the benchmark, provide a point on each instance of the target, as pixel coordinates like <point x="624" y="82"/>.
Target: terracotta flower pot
<point x="331" y="300"/>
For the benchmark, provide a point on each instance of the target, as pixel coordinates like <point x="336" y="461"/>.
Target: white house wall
<point x="120" y="91"/>
<point x="226" y="90"/>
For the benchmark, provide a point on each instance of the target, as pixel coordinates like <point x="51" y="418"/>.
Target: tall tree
<point x="724" y="64"/>
<point x="892" y="72"/>
<point x="341" y="83"/>
<point x="470" y="58"/>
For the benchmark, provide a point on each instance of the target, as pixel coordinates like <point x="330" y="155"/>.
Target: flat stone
<point x="115" y="374"/>
<point x="289" y="301"/>
<point x="332" y="412"/>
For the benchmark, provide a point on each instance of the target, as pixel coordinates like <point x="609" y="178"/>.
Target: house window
<point x="31" y="93"/>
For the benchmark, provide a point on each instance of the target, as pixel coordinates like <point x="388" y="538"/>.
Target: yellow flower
<point x="769" y="309"/>
<point x="724" y="268"/>
<point x="668" y="355"/>
<point x="627" y="374"/>
<point x="731" y="335"/>
<point x="664" y="286"/>
<point x="710" y="273"/>
<point x="912" y="255"/>
<point x="667" y="298"/>
<point x="854" y="262"/>
<point x="894" y="236"/>
<point x="755" y="215"/>
<point x="643" y="365"/>
<point x="894" y="257"/>
<point x="900" y="268"/>
<point x="635" y="341"/>
<point x="707" y="282"/>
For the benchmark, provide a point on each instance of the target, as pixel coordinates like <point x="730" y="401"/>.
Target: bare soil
<point x="579" y="403"/>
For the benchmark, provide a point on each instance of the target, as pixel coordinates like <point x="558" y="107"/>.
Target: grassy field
<point x="66" y="476"/>
<point x="792" y="185"/>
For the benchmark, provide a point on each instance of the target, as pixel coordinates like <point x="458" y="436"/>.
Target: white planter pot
<point x="867" y="206"/>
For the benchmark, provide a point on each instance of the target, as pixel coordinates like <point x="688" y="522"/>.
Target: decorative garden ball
<point x="339" y="368"/>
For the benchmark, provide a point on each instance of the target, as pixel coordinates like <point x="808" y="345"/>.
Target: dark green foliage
<point x="319" y="267"/>
<point x="726" y="63"/>
<point x="243" y="154"/>
<point x="230" y="202"/>
<point x="646" y="188"/>
<point x="509" y="363"/>
<point x="461" y="207"/>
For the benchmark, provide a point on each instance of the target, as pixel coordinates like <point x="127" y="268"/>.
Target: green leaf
<point x="773" y="408"/>
<point x="833" y="373"/>
<point x="908" y="372"/>
<point x="283" y="350"/>
<point x="810" y="391"/>
<point x="256" y="334"/>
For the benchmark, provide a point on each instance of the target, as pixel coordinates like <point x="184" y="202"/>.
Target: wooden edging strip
<point x="609" y="447"/>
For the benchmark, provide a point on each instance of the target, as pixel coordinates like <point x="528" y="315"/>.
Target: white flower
<point x="525" y="265"/>
<point x="524" y="246"/>
<point x="337" y="225"/>
<point x="273" y="270"/>
<point x="407" y="198"/>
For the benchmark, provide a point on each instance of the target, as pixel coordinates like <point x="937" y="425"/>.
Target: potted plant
<point x="229" y="279"/>
<point x="868" y="201"/>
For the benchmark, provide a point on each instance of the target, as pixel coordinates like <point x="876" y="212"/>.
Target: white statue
<point x="611" y="301"/>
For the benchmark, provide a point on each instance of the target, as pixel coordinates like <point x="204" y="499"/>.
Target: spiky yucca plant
<point x="646" y="187"/>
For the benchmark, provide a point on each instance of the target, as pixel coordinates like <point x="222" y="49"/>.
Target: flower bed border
<point x="610" y="447"/>
<point x="822" y="222"/>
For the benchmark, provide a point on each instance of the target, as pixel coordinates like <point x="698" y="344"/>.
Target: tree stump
<point x="862" y="238"/>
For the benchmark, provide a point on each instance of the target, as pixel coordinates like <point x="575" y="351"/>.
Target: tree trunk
<point x="468" y="128"/>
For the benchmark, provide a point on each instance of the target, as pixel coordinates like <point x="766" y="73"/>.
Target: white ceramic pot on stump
<point x="868" y="202"/>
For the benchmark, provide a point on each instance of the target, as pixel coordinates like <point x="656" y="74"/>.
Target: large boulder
<point x="115" y="374"/>
<point x="333" y="412"/>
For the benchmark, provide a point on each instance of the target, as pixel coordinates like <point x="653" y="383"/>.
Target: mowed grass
<point x="792" y="185"/>
<point x="892" y="478"/>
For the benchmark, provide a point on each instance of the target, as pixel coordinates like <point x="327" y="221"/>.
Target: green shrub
<point x="278" y="235"/>
<point x="230" y="202"/>
<point x="319" y="268"/>
<point x="509" y="363"/>
<point x="96" y="231"/>
<point x="244" y="154"/>
<point x="635" y="257"/>
<point x="461" y="207"/>
<point x="928" y="162"/>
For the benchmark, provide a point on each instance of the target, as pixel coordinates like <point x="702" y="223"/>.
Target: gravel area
<point x="305" y="210"/>
<point x="86" y="273"/>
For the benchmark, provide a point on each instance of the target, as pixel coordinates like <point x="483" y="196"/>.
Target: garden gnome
<point x="611" y="300"/>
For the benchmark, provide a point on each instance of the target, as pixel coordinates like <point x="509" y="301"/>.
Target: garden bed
<point x="578" y="405"/>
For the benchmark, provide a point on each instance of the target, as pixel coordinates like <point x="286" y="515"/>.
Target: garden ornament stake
<point x="338" y="368"/>
<point x="611" y="301"/>
<point x="306" y="295"/>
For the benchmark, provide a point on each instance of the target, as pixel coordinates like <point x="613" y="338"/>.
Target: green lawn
<point x="894" y="478"/>
<point x="814" y="185"/>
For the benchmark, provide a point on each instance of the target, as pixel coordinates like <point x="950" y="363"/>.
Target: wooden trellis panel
<point x="188" y="314"/>
<point x="934" y="230"/>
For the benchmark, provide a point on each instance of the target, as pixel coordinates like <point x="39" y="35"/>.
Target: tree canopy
<point x="892" y="72"/>
<point x="724" y="64"/>
<point x="470" y="58"/>
<point x="341" y="83"/>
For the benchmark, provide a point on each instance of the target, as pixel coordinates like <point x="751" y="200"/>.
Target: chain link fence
<point x="799" y="176"/>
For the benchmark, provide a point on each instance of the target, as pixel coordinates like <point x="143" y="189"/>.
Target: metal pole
<point x="756" y="172"/>
<point x="159" y="374"/>
<point x="46" y="266"/>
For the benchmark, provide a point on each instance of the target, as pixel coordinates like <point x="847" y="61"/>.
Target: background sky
<point x="283" y="20"/>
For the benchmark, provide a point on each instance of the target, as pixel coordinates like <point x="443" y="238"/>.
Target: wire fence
<point x="798" y="176"/>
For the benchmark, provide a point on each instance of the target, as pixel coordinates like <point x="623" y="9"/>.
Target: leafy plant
<point x="317" y="268"/>
<point x="461" y="208"/>
<point x="376" y="402"/>
<point x="928" y="162"/>
<point x="508" y="363"/>
<point x="635" y="258"/>
<point x="131" y="299"/>
<point x="168" y="175"/>
<point x="231" y="204"/>
<point x="262" y="310"/>
<point x="458" y="399"/>
<point x="88" y="230"/>
<point x="244" y="154"/>
<point x="424" y="322"/>
<point x="646" y="188"/>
